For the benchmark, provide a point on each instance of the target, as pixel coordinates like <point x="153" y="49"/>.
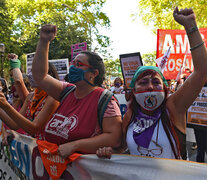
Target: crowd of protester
<point x="154" y="127"/>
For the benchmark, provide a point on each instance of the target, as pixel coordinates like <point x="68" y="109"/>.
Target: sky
<point x="127" y="36"/>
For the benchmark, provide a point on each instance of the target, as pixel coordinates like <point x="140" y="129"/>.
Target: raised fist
<point x="48" y="32"/>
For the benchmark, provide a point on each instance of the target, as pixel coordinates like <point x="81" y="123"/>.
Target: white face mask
<point x="150" y="100"/>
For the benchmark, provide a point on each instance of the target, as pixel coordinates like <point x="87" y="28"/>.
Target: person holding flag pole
<point x="155" y="123"/>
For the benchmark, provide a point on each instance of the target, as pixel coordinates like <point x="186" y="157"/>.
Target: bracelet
<point x="197" y="46"/>
<point x="192" y="30"/>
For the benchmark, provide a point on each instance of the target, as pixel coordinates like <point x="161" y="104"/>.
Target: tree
<point x="28" y="16"/>
<point x="113" y="68"/>
<point x="159" y="13"/>
<point x="148" y="59"/>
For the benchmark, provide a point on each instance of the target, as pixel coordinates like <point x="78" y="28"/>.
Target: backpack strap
<point x="104" y="99"/>
<point x="65" y="92"/>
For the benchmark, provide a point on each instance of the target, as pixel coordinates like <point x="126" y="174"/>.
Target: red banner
<point x="179" y="43"/>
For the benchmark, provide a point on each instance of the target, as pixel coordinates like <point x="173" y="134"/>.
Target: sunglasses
<point x="80" y="64"/>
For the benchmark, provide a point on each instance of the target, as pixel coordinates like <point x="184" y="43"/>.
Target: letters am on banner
<point x="129" y="64"/>
<point x="178" y="41"/>
<point x="197" y="113"/>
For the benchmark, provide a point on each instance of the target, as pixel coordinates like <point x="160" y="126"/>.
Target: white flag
<point x="182" y="68"/>
<point x="162" y="61"/>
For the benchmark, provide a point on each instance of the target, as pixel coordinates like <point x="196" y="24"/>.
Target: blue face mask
<point x="76" y="74"/>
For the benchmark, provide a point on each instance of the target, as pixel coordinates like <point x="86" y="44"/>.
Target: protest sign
<point x="129" y="64"/>
<point x="179" y="43"/>
<point x="30" y="58"/>
<point x="62" y="67"/>
<point x="77" y="48"/>
<point x="197" y="113"/>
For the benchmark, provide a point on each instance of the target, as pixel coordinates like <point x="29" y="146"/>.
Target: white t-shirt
<point x="116" y="90"/>
<point x="162" y="141"/>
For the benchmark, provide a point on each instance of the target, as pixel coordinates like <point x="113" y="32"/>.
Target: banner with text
<point x="22" y="160"/>
<point x="178" y="41"/>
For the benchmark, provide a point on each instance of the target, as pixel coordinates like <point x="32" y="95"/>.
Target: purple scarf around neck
<point x="143" y="127"/>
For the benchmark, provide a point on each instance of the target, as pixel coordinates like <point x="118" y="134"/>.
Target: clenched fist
<point x="48" y="32"/>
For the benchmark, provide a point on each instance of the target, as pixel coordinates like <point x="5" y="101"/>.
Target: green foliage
<point x="148" y="59"/>
<point x="158" y="13"/>
<point x="21" y="20"/>
<point x="113" y="68"/>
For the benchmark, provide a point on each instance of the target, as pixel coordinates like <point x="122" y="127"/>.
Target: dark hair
<point x="167" y="124"/>
<point x="52" y="71"/>
<point x="118" y="78"/>
<point x="97" y="63"/>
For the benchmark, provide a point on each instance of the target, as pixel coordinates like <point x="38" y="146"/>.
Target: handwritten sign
<point x="129" y="64"/>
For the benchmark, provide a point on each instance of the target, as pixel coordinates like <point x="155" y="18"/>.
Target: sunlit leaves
<point x="158" y="13"/>
<point x="21" y="20"/>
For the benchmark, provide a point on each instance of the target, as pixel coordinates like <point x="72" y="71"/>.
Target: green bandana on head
<point x="141" y="69"/>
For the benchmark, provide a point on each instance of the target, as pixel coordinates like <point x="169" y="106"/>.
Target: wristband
<point x="192" y="30"/>
<point x="197" y="46"/>
<point x="15" y="63"/>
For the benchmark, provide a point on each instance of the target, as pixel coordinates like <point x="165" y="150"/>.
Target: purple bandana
<point x="144" y="126"/>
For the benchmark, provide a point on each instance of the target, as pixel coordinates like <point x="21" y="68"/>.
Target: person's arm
<point x="19" y="84"/>
<point x="31" y="127"/>
<point x="52" y="86"/>
<point x="16" y="73"/>
<point x="7" y="120"/>
<point x="111" y="136"/>
<point x="179" y="102"/>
